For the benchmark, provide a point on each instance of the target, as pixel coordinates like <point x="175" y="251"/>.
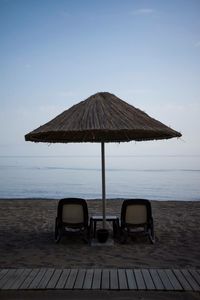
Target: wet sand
<point x="27" y="238"/>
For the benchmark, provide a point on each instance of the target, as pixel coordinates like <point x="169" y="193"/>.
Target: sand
<point x="97" y="295"/>
<point x="27" y="238"/>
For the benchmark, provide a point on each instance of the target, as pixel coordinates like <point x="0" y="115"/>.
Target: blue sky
<point x="54" y="54"/>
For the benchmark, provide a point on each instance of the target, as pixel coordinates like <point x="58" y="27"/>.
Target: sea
<point x="154" y="177"/>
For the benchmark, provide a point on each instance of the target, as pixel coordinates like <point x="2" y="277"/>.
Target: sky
<point x="56" y="53"/>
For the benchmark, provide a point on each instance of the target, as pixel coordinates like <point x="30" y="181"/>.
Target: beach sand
<point x="27" y="238"/>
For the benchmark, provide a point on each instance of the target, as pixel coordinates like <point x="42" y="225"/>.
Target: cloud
<point x="143" y="12"/>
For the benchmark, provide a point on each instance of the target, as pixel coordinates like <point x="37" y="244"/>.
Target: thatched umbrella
<point x="101" y="118"/>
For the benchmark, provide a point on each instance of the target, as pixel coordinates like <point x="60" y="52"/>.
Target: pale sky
<point x="56" y="53"/>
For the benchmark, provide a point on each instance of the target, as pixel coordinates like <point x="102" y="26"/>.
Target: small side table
<point x="113" y="219"/>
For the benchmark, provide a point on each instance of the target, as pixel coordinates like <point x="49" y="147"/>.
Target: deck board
<point x="195" y="275"/>
<point x="62" y="279"/>
<point x="122" y="279"/>
<point x="3" y="273"/>
<point x="147" y="279"/>
<point x="165" y="280"/>
<point x="177" y="286"/>
<point x="12" y="279"/>
<point x="105" y="280"/>
<point x="45" y="279"/>
<point x="54" y="279"/>
<point x="88" y="279"/>
<point x="100" y="279"/>
<point x="139" y="279"/>
<point x="96" y="283"/>
<point x="131" y="280"/>
<point x="184" y="283"/>
<point x="29" y="279"/>
<point x="71" y="279"/>
<point x="7" y="277"/>
<point x="20" y="279"/>
<point x="191" y="280"/>
<point x="114" y="284"/>
<point x="80" y="279"/>
<point x="156" y="280"/>
<point x="36" y="281"/>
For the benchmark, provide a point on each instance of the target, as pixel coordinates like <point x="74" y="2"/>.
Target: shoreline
<point x="92" y="199"/>
<point x="27" y="238"/>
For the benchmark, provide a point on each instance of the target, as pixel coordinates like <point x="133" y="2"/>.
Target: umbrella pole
<point x="103" y="184"/>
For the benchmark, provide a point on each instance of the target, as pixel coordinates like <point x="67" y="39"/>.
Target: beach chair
<point x="72" y="218"/>
<point x="136" y="216"/>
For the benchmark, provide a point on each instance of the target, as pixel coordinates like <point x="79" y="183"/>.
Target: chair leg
<point x="151" y="234"/>
<point x="86" y="235"/>
<point x="91" y="229"/>
<point x="116" y="229"/>
<point x="90" y="233"/>
<point x="58" y="232"/>
<point x="123" y="236"/>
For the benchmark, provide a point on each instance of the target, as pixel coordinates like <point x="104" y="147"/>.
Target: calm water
<point x="152" y="177"/>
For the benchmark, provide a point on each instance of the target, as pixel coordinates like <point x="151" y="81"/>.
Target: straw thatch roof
<point x="103" y="117"/>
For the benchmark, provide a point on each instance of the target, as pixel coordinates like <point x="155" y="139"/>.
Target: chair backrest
<point x="136" y="212"/>
<point x="73" y="211"/>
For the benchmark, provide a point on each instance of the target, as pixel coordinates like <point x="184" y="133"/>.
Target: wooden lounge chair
<point x="72" y="218"/>
<point x="136" y="216"/>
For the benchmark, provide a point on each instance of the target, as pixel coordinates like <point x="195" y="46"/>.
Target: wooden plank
<point x="7" y="276"/>
<point x="105" y="280"/>
<point x="115" y="279"/>
<point x="114" y="283"/>
<point x="21" y="279"/>
<point x="54" y="279"/>
<point x="71" y="279"/>
<point x="29" y="279"/>
<point x="34" y="284"/>
<point x="156" y="280"/>
<point x="177" y="286"/>
<point x="96" y="283"/>
<point x="122" y="279"/>
<point x="3" y="273"/>
<point x="80" y="279"/>
<point x="165" y="280"/>
<point x="131" y="280"/>
<point x="63" y="278"/>
<point x="191" y="280"/>
<point x="182" y="280"/>
<point x="139" y="279"/>
<point x="88" y="279"/>
<point x="45" y="279"/>
<point x="148" y="280"/>
<point x="12" y="279"/>
<point x="195" y="275"/>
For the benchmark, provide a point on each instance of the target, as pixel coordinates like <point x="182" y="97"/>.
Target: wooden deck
<point x="100" y="279"/>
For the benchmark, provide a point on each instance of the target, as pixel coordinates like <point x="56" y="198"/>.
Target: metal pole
<point x="103" y="184"/>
